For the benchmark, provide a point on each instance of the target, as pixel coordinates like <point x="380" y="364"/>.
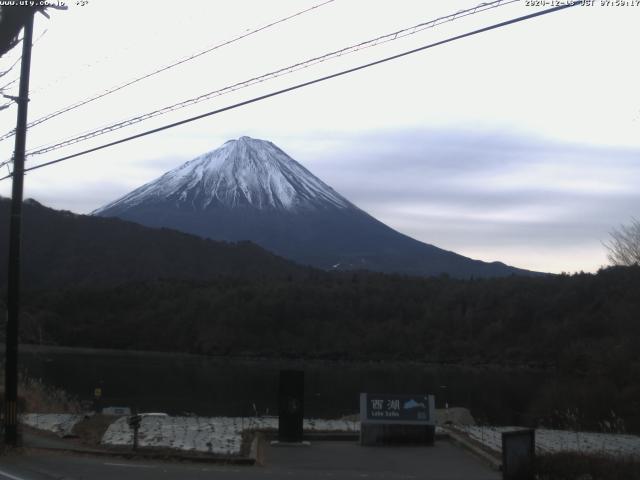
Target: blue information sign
<point x="388" y="408"/>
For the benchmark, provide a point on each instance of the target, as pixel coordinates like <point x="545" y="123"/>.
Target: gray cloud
<point x="475" y="190"/>
<point x="527" y="201"/>
<point x="460" y="150"/>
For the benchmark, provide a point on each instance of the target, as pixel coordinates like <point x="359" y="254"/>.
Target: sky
<point x="520" y="145"/>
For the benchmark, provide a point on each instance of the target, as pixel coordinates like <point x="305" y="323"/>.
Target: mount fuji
<point x="250" y="189"/>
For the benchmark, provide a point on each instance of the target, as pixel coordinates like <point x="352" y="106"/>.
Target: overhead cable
<point x="389" y="37"/>
<point x="308" y="83"/>
<point x="163" y="69"/>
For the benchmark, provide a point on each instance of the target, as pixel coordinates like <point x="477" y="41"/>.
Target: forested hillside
<point x="125" y="286"/>
<point x="64" y="249"/>
<point x="583" y="329"/>
<point x="582" y="321"/>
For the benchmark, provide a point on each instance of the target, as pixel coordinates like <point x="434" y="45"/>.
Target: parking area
<point x="341" y="459"/>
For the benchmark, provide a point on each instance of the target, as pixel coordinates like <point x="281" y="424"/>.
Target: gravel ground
<point x="220" y="435"/>
<point x="59" y="423"/>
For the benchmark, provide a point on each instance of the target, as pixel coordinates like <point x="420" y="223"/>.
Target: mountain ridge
<point x="64" y="249"/>
<point x="250" y="189"/>
<point x="243" y="172"/>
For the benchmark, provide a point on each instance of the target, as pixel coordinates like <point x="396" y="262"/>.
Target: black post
<point x="136" y="429"/>
<point x="15" y="234"/>
<point x="291" y="406"/>
<point x="134" y="423"/>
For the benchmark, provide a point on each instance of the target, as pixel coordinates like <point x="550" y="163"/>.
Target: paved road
<point x="347" y="460"/>
<point x="322" y="460"/>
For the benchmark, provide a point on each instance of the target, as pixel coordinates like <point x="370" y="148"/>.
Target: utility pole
<point x="15" y="238"/>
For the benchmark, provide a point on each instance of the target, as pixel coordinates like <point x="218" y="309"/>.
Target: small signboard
<point x="397" y="409"/>
<point x="389" y="419"/>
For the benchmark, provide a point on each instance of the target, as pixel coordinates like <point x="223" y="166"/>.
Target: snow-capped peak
<point x="246" y="172"/>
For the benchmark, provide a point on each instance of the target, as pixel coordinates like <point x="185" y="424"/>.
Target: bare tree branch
<point x="624" y="245"/>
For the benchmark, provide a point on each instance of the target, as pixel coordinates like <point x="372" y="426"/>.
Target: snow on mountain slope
<point x="251" y="190"/>
<point x="242" y="172"/>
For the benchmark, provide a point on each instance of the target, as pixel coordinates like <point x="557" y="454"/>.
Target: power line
<point x="389" y="37"/>
<point x="155" y="34"/>
<point x="8" y="70"/>
<point x="165" y="68"/>
<point x="8" y="84"/>
<point x="308" y="83"/>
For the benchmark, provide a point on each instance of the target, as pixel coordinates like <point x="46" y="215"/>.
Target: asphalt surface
<point x="348" y="460"/>
<point x="321" y="460"/>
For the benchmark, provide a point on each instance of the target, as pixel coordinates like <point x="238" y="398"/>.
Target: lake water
<point x="178" y="384"/>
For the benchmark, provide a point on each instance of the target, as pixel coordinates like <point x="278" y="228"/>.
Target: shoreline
<point x="59" y="349"/>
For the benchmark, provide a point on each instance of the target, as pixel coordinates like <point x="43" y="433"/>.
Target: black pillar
<point x="290" y="406"/>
